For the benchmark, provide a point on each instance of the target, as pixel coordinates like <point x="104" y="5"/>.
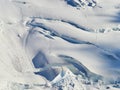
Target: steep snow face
<point x="71" y="41"/>
<point x="38" y="37"/>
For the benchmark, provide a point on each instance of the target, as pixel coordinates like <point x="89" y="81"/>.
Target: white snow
<point x="86" y="34"/>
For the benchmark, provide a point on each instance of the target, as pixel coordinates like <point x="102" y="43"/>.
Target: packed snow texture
<point x="59" y="44"/>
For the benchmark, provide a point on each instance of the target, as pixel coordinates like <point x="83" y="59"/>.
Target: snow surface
<point x="59" y="44"/>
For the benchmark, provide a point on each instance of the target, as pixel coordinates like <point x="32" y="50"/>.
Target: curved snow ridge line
<point x="65" y="37"/>
<point x="78" y="26"/>
<point x="68" y="38"/>
<point x="65" y="21"/>
<point x="26" y="38"/>
<point x="75" y="40"/>
<point x="54" y="33"/>
<point x="101" y="30"/>
<point x="81" y="67"/>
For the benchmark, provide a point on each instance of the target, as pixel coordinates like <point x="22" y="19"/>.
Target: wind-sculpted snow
<point x="81" y="68"/>
<point x="63" y="31"/>
<point x="59" y="45"/>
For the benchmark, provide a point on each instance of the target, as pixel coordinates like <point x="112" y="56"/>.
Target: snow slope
<point x="39" y="37"/>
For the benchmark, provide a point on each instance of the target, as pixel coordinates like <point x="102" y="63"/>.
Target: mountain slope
<point x="42" y="39"/>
